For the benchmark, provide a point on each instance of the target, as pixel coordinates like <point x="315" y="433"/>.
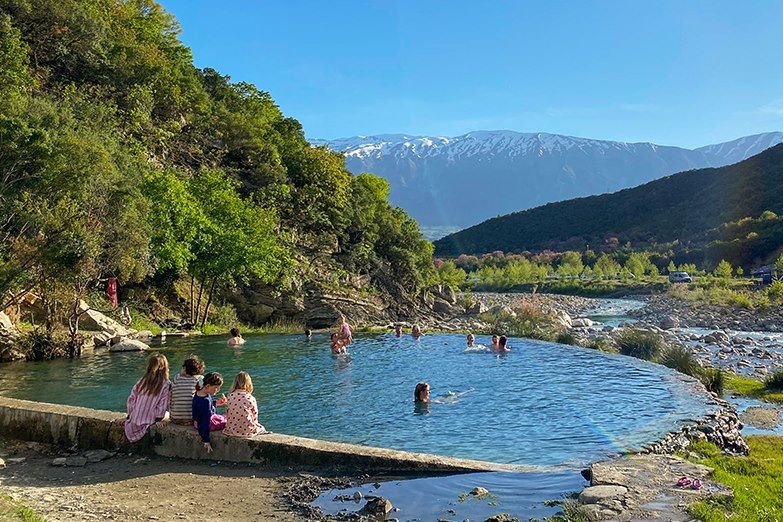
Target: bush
<point x="225" y="315"/>
<point x="679" y="358"/>
<point x="42" y="345"/>
<point x="640" y="344"/>
<point x="712" y="379"/>
<point x="775" y="291"/>
<point x="567" y="338"/>
<point x="528" y="321"/>
<point x="774" y="381"/>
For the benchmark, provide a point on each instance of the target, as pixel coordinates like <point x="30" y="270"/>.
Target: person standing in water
<point x="502" y="345"/>
<point x="471" y="341"/>
<point x="397" y="330"/>
<point x="346" y="334"/>
<point x="495" y="342"/>
<point x="416" y="331"/>
<point x="236" y="338"/>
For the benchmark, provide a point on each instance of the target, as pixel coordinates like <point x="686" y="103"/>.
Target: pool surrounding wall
<point x="86" y="428"/>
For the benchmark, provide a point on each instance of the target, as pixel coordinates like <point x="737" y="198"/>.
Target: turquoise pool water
<point x="542" y="404"/>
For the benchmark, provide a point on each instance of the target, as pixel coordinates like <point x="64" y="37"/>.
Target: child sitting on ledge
<point x="242" y="409"/>
<point x="182" y="390"/>
<point x="204" y="416"/>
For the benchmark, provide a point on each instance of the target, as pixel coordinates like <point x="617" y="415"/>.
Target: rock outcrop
<point x="9" y="336"/>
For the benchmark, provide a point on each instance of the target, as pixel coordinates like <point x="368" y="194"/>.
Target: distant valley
<point x="464" y="180"/>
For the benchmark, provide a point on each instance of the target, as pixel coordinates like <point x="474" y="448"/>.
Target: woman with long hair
<point x="149" y="399"/>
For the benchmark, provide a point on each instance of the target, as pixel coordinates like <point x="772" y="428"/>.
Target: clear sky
<point x="685" y="73"/>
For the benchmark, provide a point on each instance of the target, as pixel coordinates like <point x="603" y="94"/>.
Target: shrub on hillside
<point x="712" y="379"/>
<point x="774" y="381"/>
<point x="679" y="358"/>
<point x="42" y="345"/>
<point x="640" y="344"/>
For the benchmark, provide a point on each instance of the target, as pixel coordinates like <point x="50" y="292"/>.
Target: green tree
<point x="723" y="270"/>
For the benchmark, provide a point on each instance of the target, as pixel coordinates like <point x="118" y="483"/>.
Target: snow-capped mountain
<point x="743" y="148"/>
<point x="466" y="179"/>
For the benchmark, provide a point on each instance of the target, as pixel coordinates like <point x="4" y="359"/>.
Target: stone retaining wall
<point x="85" y="428"/>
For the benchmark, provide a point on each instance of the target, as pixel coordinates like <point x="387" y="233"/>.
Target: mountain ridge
<point x="442" y="180"/>
<point x="678" y="207"/>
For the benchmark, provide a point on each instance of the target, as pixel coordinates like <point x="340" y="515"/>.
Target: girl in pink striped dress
<point x="242" y="409"/>
<point x="149" y="399"/>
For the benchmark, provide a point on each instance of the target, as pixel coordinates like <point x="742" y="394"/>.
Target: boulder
<point x="444" y="292"/>
<point x="476" y="309"/>
<point x="669" y="322"/>
<point x="6" y="324"/>
<point x="94" y="320"/>
<point x="581" y="322"/>
<point x="142" y="334"/>
<point x="11" y="354"/>
<point x="128" y="345"/>
<point x="502" y="310"/>
<point x="102" y="338"/>
<point x="441" y="306"/>
<point x="377" y="507"/>
<point x="562" y="318"/>
<point x="601" y="494"/>
<point x="478" y="491"/>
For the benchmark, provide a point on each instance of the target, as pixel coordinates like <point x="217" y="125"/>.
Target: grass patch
<point x="141" y="322"/>
<point x="526" y="321"/>
<point x="275" y="327"/>
<point x="13" y="510"/>
<point x="757" y="481"/>
<point x="712" y="379"/>
<point x="680" y="359"/>
<point x="640" y="344"/>
<point x="567" y="338"/>
<point x="604" y="344"/>
<point x="748" y="387"/>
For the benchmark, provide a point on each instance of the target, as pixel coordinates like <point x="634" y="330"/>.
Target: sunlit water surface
<point x="542" y="404"/>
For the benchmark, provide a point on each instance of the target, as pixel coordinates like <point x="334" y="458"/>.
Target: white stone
<point x="129" y="345"/>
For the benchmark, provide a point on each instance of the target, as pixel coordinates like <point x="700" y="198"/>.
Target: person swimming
<point x="421" y="393"/>
<point x="338" y="345"/>
<point x="471" y="341"/>
<point x="398" y="330"/>
<point x="495" y="342"/>
<point x="308" y="334"/>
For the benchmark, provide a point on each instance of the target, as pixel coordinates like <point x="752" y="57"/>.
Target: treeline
<point x="499" y="271"/>
<point x="119" y="158"/>
<point x="684" y="212"/>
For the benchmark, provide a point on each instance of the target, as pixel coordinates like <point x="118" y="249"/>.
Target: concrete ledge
<point x="85" y="428"/>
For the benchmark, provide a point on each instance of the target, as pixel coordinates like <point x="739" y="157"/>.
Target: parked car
<point x="679" y="277"/>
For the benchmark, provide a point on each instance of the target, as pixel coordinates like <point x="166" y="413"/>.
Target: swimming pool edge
<point x="87" y="428"/>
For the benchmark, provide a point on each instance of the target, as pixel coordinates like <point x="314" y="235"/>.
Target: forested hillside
<point x="686" y="210"/>
<point x="119" y="158"/>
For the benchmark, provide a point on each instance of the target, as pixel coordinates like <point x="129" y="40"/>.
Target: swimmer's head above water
<point x="422" y="392"/>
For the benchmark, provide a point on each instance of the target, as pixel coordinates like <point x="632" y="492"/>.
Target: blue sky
<point x="685" y="73"/>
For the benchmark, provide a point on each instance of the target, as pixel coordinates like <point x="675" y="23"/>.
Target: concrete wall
<point x="85" y="428"/>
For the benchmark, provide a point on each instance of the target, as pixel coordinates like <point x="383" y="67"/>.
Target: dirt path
<point x="138" y="488"/>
